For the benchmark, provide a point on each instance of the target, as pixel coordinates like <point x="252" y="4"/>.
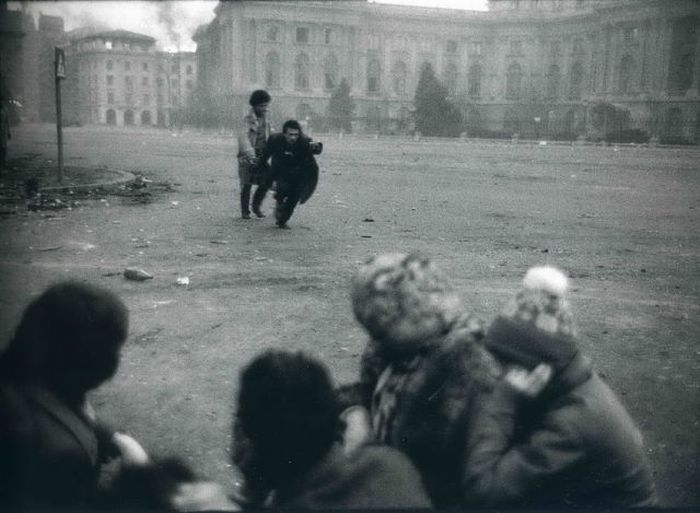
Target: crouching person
<point x="293" y="167"/>
<point x="552" y="434"/>
<point x="424" y="369"/>
<point x="54" y="451"/>
<point x="286" y="444"/>
<point x="52" y="446"/>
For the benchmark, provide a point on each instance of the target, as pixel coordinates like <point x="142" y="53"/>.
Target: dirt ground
<point x="623" y="222"/>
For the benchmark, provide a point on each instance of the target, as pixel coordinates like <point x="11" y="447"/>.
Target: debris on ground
<point x="51" y="248"/>
<point x="31" y="184"/>
<point x="135" y="274"/>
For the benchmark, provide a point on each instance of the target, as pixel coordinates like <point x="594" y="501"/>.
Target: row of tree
<point x="435" y="114"/>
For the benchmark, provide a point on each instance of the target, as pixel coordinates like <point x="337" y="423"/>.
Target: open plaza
<point x="621" y="221"/>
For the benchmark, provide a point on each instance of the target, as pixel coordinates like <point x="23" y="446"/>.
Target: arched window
<point x="374" y="118"/>
<point x="576" y="81"/>
<point x="511" y="122"/>
<point x="569" y="122"/>
<point x="399" y="73"/>
<point x="473" y="122"/>
<point x="553" y="78"/>
<point x="373" y="76"/>
<point x="129" y="117"/>
<point x="404" y="118"/>
<point x="304" y="112"/>
<point x="301" y="72"/>
<point x="673" y="125"/>
<point x="474" y="81"/>
<point x="111" y="117"/>
<point x="330" y="71"/>
<point x="451" y="77"/>
<point x="627" y="69"/>
<point x="272" y="70"/>
<point x="146" y="117"/>
<point x="272" y="33"/>
<point x="514" y="78"/>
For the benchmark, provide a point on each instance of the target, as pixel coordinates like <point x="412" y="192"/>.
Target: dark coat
<point x="373" y="477"/>
<point x="50" y="455"/>
<point x="295" y="165"/>
<point x="422" y="404"/>
<point x="576" y="446"/>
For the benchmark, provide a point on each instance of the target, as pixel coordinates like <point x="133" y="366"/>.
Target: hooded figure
<point x="286" y="431"/>
<point x="552" y="434"/>
<point x="423" y="371"/>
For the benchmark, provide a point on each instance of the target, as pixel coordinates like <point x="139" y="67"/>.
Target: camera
<point x="316" y="147"/>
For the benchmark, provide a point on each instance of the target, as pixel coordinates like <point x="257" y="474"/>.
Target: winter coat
<point x="256" y="132"/>
<point x="50" y="455"/>
<point x="575" y="446"/>
<point x="422" y="403"/>
<point x="294" y="165"/>
<point x="372" y="477"/>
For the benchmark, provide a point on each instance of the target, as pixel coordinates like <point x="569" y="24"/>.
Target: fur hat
<point x="536" y="326"/>
<point x="403" y="301"/>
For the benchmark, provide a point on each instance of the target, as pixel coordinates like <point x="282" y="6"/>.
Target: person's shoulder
<point x="250" y="119"/>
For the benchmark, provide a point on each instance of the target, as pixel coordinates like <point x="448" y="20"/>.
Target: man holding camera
<point x="294" y="168"/>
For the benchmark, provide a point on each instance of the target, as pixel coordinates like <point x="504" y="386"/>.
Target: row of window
<point x="302" y="36"/>
<point x="189" y="70"/>
<point x="145" y="98"/>
<point x="113" y="45"/>
<point x="399" y="77"/>
<point x="129" y="82"/>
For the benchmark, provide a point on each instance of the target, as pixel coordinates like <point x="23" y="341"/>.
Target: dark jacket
<point x="295" y="165"/>
<point x="422" y="403"/>
<point x="576" y="446"/>
<point x="50" y="454"/>
<point x="373" y="477"/>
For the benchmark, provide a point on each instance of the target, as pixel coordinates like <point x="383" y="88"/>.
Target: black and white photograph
<point x="349" y="255"/>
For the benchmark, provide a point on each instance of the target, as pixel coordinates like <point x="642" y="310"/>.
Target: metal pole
<point x="59" y="128"/>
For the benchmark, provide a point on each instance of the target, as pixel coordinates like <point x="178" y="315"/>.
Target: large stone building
<point x="118" y="77"/>
<point x="535" y="67"/>
<point x="113" y="76"/>
<point x="26" y="61"/>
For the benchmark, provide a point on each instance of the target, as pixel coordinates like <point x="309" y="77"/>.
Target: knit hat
<point x="536" y="326"/>
<point x="403" y="301"/>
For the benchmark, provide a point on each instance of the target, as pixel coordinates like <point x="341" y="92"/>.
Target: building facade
<point x="118" y="77"/>
<point x="26" y="63"/>
<point x="555" y="68"/>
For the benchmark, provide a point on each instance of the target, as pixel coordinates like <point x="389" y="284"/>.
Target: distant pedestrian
<point x="293" y="168"/>
<point x="251" y="142"/>
<point x="5" y="134"/>
<point x="552" y="434"/>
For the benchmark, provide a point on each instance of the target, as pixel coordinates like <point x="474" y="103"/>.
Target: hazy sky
<point x="171" y="23"/>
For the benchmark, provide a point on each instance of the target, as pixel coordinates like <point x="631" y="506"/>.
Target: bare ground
<point x="621" y="221"/>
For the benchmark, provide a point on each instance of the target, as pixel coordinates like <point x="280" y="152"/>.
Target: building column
<point x="665" y="53"/>
<point x="607" y="43"/>
<point x="696" y="72"/>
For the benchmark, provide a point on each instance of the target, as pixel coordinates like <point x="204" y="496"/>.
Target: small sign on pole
<point x="60" y="63"/>
<point x="59" y="74"/>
